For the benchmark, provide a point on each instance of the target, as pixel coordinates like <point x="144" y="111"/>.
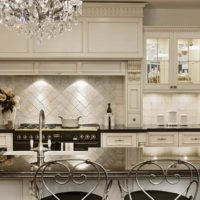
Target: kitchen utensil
<point x="70" y="122"/>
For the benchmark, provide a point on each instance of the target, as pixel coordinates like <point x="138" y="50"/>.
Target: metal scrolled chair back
<point x="162" y="174"/>
<point x="76" y="171"/>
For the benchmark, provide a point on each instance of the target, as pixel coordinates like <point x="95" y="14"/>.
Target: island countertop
<point x="117" y="161"/>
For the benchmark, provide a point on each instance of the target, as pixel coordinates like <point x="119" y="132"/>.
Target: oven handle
<point x="86" y="143"/>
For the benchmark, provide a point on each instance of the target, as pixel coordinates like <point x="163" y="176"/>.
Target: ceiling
<point x="176" y="4"/>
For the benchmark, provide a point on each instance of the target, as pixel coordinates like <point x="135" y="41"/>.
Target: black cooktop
<point x="54" y="126"/>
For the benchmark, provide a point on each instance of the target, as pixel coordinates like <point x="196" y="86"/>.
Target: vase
<point x="9" y="116"/>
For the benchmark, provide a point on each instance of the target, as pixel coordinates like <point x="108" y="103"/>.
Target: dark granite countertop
<point x="150" y="128"/>
<point x="4" y="129"/>
<point x="124" y="129"/>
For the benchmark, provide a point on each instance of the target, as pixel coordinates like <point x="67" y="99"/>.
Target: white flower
<point x="9" y="92"/>
<point x="2" y="97"/>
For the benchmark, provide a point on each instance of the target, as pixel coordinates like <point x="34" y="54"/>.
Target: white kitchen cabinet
<point x="105" y="30"/>
<point x="162" y="139"/>
<point x="11" y="189"/>
<point x="172" y="60"/>
<point x="134" y="94"/>
<point x="119" y="140"/>
<point x="189" y="139"/>
<point x="6" y="141"/>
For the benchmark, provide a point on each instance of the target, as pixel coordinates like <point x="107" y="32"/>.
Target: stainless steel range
<point x="27" y="135"/>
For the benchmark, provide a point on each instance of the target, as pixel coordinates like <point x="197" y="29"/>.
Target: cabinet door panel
<point x="16" y="68"/>
<point x="189" y="139"/>
<point x="68" y="42"/>
<point x="103" y="68"/>
<point x="134" y="98"/>
<point x="119" y="140"/>
<point x="163" y="139"/>
<point x="57" y="68"/>
<point x="114" y="37"/>
<point x="12" y="43"/>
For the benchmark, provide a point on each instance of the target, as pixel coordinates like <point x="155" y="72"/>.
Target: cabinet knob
<point x="134" y="119"/>
<point x="175" y="86"/>
<point x="171" y="86"/>
<point x="141" y="144"/>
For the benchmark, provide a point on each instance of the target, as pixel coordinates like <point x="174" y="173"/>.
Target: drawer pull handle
<point x="119" y="140"/>
<point x="162" y="139"/>
<point x="195" y="138"/>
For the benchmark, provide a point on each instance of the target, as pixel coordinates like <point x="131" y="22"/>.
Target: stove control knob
<point x="30" y="137"/>
<point x="93" y="137"/>
<point x="87" y="136"/>
<point x="37" y="137"/>
<point x="25" y="137"/>
<point x="19" y="137"/>
<point x="82" y="137"/>
<point x="43" y="137"/>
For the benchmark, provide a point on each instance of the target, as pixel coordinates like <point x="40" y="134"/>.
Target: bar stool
<point x="164" y="179"/>
<point x="74" y="171"/>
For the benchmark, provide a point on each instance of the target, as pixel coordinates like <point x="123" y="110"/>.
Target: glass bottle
<point x="109" y="110"/>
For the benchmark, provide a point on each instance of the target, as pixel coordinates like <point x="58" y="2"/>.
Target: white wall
<point x="171" y="17"/>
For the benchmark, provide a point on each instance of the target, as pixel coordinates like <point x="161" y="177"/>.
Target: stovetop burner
<point x="27" y="126"/>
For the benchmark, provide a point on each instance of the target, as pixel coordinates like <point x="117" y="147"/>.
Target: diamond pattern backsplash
<point x="68" y="96"/>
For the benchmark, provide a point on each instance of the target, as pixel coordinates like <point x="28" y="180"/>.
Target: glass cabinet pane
<point x="188" y="61"/>
<point x="157" y="61"/>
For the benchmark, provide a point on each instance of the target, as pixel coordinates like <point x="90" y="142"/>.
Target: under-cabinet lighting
<point x="155" y="158"/>
<point x="185" y="158"/>
<point x="40" y="83"/>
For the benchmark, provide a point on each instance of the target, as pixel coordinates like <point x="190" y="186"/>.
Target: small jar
<point x="160" y="120"/>
<point x="183" y="120"/>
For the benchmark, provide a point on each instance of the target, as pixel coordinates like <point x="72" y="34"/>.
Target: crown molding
<point x="113" y="9"/>
<point x="172" y="28"/>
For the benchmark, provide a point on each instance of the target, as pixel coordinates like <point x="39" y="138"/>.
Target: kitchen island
<point x="17" y="172"/>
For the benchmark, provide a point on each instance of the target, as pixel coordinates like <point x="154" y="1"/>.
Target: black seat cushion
<point x="73" y="196"/>
<point x="157" y="195"/>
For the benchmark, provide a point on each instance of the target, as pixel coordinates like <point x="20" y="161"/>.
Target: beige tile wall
<point x="154" y="104"/>
<point x="69" y="96"/>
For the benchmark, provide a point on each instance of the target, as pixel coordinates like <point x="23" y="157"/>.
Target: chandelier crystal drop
<point x="43" y="19"/>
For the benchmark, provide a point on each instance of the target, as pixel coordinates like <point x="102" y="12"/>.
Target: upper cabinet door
<point x="187" y="60"/>
<point x="158" y="60"/>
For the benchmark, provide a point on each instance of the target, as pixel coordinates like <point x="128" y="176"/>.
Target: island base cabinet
<point x="11" y="189"/>
<point x="16" y="189"/>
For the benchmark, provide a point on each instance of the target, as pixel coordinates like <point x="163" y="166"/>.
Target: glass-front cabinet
<point x="172" y="60"/>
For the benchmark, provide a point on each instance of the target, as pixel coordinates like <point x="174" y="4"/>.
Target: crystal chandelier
<point x="43" y="19"/>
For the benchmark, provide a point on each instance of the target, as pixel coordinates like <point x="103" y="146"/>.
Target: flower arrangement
<point x="8" y="100"/>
